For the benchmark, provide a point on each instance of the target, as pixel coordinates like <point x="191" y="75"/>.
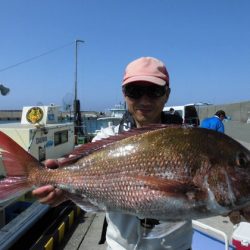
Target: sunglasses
<point x="137" y="91"/>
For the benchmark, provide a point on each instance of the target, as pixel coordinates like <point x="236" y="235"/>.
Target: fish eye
<point x="241" y="159"/>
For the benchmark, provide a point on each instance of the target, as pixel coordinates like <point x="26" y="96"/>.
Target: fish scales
<point x="171" y="173"/>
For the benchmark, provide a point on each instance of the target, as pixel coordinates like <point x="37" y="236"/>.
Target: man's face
<point x="146" y="107"/>
<point x="222" y="117"/>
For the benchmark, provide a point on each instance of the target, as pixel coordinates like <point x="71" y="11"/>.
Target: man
<point x="215" y="122"/>
<point x="175" y="115"/>
<point x="146" y="90"/>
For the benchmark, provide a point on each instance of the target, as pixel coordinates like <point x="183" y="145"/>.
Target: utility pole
<point x="77" y="111"/>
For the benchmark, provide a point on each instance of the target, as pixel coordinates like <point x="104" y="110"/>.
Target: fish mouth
<point x="238" y="186"/>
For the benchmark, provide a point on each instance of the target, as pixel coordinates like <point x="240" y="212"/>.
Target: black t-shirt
<point x="128" y="121"/>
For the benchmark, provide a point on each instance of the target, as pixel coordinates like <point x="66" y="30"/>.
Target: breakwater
<point x="10" y="115"/>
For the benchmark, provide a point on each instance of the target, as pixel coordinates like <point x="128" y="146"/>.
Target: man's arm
<point x="238" y="216"/>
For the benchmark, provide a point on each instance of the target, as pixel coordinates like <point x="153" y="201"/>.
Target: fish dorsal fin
<point x="89" y="148"/>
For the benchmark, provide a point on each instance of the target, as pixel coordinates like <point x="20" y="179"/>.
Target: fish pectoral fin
<point x="83" y="203"/>
<point x="173" y="187"/>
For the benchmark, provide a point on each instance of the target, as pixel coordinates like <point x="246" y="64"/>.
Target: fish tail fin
<point x="15" y="163"/>
<point x="12" y="187"/>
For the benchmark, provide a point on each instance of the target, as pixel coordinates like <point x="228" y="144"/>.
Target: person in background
<point x="146" y="89"/>
<point x="171" y="111"/>
<point x="175" y="116"/>
<point x="215" y="122"/>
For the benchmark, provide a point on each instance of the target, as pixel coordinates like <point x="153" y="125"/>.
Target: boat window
<point x="61" y="137"/>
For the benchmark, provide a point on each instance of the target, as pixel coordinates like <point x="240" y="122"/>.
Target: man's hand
<point x="237" y="216"/>
<point x="51" y="163"/>
<point x="48" y="194"/>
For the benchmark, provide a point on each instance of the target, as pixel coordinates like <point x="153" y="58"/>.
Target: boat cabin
<point x="41" y="134"/>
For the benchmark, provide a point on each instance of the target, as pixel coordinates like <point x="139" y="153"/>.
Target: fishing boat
<point x="40" y="133"/>
<point x="111" y="118"/>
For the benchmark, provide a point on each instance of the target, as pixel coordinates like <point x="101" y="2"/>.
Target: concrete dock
<point x="86" y="234"/>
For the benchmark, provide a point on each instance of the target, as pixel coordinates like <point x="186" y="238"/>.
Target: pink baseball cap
<point x="147" y="69"/>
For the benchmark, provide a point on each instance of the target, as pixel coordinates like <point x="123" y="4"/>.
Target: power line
<point x="35" y="57"/>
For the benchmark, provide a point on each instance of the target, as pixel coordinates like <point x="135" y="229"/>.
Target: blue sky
<point x="204" y="43"/>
